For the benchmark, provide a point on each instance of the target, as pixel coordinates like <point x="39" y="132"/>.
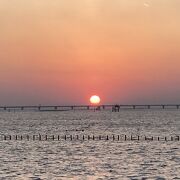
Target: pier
<point x="113" y="108"/>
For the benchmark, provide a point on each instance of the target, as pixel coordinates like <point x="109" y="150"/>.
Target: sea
<point x="92" y="145"/>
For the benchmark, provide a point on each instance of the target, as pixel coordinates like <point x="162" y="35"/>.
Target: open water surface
<point x="98" y="159"/>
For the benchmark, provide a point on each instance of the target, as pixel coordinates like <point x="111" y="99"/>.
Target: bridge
<point x="114" y="108"/>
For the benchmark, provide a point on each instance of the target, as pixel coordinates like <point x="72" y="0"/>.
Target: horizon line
<point x="85" y="105"/>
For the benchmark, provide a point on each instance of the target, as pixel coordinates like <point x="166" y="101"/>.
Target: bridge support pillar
<point x="116" y="108"/>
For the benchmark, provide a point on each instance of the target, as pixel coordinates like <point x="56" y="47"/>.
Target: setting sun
<point x="95" y="99"/>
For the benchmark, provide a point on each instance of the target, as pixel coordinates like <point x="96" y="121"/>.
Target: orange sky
<point x="63" y="51"/>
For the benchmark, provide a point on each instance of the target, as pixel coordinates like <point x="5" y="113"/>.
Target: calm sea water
<point x="56" y="160"/>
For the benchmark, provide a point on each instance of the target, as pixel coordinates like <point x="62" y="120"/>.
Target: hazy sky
<point x="63" y="51"/>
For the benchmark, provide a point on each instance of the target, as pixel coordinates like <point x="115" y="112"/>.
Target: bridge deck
<point x="116" y="107"/>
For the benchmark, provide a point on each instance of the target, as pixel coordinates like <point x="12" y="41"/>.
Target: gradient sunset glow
<point x="62" y="51"/>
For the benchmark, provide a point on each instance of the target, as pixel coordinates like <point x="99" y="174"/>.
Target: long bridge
<point x="114" y="108"/>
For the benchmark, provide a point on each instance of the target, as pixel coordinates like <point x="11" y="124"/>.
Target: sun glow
<point x="95" y="99"/>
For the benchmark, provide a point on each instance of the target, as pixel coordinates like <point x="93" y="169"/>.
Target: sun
<point x="95" y="99"/>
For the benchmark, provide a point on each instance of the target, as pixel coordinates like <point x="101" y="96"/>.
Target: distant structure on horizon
<point x="114" y="108"/>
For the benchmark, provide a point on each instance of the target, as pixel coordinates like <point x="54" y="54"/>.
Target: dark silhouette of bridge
<point x="114" y="108"/>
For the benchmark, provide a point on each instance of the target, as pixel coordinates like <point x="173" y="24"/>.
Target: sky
<point x="64" y="51"/>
